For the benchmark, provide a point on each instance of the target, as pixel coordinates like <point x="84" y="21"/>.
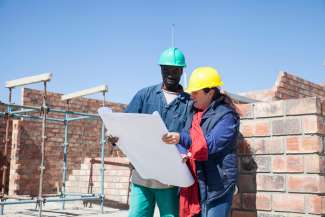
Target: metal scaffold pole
<point x="99" y="89"/>
<point x="102" y="169"/>
<point x="65" y="157"/>
<point x="26" y="112"/>
<point x="42" y="166"/>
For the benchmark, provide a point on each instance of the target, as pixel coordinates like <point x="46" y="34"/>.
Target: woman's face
<point x="202" y="99"/>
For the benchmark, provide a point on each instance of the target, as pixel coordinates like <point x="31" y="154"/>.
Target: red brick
<point x="263" y="163"/>
<point x="257" y="201"/>
<point x="262" y="128"/>
<point x="286" y="126"/>
<point x="288" y="202"/>
<point x="311" y="144"/>
<point x="323" y="205"/>
<point x="293" y="144"/>
<point x="314" y="204"/>
<point x="247" y="128"/>
<point x="245" y="110"/>
<point x="270" y="182"/>
<point x="293" y="84"/>
<point x="314" y="164"/>
<point x="275" y="144"/>
<point x="279" y="164"/>
<point x="268" y="109"/>
<point x="305" y="183"/>
<point x="304" y="144"/>
<point x="278" y="127"/>
<point x="237" y="213"/>
<point x="322" y="125"/>
<point x="310" y="124"/>
<point x="323" y="107"/>
<point x="295" y="164"/>
<point x="303" y="106"/>
<point x="267" y="146"/>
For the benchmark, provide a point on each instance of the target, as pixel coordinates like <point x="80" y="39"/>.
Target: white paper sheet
<point x="140" y="140"/>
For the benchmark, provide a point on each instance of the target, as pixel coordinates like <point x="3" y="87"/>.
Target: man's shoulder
<point x="152" y="88"/>
<point x="185" y="97"/>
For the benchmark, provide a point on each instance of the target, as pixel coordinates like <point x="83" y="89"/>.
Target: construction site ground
<point x="71" y="209"/>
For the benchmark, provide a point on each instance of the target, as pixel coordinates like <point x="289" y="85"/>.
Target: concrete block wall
<point x="84" y="137"/>
<point x="282" y="159"/>
<point x="116" y="176"/>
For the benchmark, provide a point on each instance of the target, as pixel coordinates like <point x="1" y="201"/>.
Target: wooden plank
<point x="89" y="91"/>
<point x="29" y="80"/>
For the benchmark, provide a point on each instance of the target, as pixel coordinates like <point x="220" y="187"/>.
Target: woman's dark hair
<point x="222" y="97"/>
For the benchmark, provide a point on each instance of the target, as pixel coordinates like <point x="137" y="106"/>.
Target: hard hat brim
<point x="190" y="90"/>
<point x="171" y="64"/>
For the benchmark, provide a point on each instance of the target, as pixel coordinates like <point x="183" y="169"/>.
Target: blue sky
<point x="118" y="43"/>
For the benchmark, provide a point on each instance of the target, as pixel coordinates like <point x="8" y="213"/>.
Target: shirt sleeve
<point x="222" y="136"/>
<point x="185" y="142"/>
<point x="135" y="106"/>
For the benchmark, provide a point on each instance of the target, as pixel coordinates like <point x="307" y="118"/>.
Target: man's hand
<point x="185" y="157"/>
<point x="112" y="139"/>
<point x="171" y="138"/>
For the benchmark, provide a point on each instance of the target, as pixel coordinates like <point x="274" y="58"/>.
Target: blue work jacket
<point x="217" y="175"/>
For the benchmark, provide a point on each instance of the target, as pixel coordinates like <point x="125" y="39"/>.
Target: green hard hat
<point x="172" y="57"/>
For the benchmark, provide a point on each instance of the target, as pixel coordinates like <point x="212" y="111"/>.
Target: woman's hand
<point x="171" y="138"/>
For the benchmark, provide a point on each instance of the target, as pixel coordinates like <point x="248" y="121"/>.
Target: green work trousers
<point x="143" y="201"/>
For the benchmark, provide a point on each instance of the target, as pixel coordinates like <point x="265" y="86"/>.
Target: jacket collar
<point x="210" y="111"/>
<point x="181" y="96"/>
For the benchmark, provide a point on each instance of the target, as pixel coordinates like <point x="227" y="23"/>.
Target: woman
<point x="209" y="144"/>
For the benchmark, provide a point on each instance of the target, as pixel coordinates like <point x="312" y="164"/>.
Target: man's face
<point x="171" y="76"/>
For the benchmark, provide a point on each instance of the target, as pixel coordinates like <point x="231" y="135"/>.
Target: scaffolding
<point x="22" y="111"/>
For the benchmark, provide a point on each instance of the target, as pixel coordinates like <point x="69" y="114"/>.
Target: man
<point x="172" y="104"/>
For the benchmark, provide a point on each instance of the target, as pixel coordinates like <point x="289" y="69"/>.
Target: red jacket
<point x="189" y="203"/>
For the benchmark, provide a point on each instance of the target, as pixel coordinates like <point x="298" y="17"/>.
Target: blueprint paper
<point x="140" y="140"/>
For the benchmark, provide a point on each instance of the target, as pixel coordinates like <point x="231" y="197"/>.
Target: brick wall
<point x="3" y="108"/>
<point x="26" y="152"/>
<point x="288" y="86"/>
<point x="281" y="153"/>
<point x="282" y="160"/>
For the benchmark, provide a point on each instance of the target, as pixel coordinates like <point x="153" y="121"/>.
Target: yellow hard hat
<point x="204" y="77"/>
